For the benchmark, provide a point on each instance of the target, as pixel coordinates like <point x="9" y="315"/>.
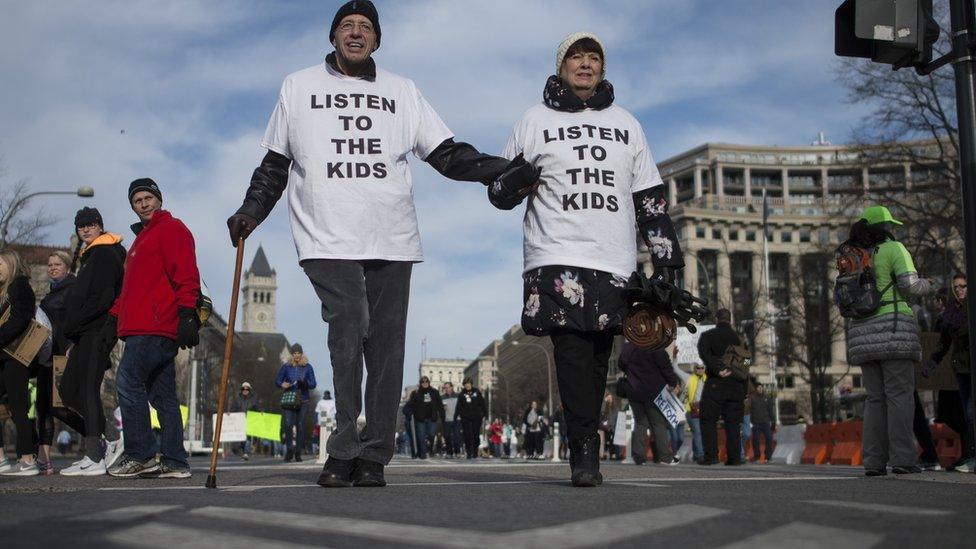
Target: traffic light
<point x="895" y="32"/>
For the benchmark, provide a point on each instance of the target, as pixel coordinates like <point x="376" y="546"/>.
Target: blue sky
<point x="192" y="86"/>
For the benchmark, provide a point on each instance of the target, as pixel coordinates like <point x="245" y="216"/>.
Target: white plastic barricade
<point x="555" y="442"/>
<point x="789" y="444"/>
<point x="234" y="427"/>
<point x="326" y="425"/>
<point x="622" y="433"/>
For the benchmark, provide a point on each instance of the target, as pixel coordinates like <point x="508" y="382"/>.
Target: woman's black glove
<point x="240" y="226"/>
<point x="187" y="331"/>
<point x="108" y="335"/>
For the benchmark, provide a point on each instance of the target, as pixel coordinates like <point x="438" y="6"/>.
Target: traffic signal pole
<point x="963" y="15"/>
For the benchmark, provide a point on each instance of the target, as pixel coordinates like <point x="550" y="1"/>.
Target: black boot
<point x="289" y="455"/>
<point x="337" y="473"/>
<point x="584" y="462"/>
<point x="368" y="474"/>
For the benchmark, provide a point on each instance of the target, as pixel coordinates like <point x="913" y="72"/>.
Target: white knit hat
<point x="572" y="39"/>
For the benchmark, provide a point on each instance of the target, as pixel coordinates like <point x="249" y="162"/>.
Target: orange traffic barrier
<point x="819" y="443"/>
<point x="722" y="454"/>
<point x="947" y="444"/>
<point x="847" y="443"/>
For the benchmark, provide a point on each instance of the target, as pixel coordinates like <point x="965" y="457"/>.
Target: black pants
<point x="365" y="304"/>
<point x="923" y="434"/>
<point x="81" y="392"/>
<point x="582" y="360"/>
<point x="44" y="421"/>
<point x="471" y="430"/>
<point x="15" y="376"/>
<point x="722" y="399"/>
<point x="534" y="443"/>
<point x="648" y="416"/>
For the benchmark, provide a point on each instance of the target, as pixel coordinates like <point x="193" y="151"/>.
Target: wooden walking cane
<point x="225" y="372"/>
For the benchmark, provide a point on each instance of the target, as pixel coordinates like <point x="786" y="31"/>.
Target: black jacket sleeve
<point x="438" y="406"/>
<point x="267" y="183"/>
<point x="664" y="365"/>
<point x="945" y="343"/>
<point x="462" y="162"/>
<point x="656" y="228"/>
<point x="93" y="295"/>
<point x="20" y="301"/>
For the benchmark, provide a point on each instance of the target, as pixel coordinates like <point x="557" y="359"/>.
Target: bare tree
<point x="17" y="224"/>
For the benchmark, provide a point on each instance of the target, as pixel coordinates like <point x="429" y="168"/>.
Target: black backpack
<point x="855" y="288"/>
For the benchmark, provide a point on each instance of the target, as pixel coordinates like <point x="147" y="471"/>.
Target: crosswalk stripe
<point x="801" y="535"/>
<point x="154" y="535"/>
<point x="597" y="531"/>
<point x="127" y="513"/>
<point x="881" y="508"/>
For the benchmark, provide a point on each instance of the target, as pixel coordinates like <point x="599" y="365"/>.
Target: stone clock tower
<point x="260" y="287"/>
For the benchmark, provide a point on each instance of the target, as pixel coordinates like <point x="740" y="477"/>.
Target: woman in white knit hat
<point x="596" y="181"/>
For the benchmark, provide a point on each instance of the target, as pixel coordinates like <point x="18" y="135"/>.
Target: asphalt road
<point x="442" y="503"/>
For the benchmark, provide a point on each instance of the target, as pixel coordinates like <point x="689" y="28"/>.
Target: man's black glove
<point x="108" y="335"/>
<point x="518" y="176"/>
<point x="187" y="331"/>
<point x="240" y="226"/>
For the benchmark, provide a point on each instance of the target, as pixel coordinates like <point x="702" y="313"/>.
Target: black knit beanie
<point x="297" y="348"/>
<point x="357" y="7"/>
<point x="88" y="216"/>
<point x="144" y="184"/>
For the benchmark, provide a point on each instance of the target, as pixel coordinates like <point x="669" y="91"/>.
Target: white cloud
<point x="192" y="85"/>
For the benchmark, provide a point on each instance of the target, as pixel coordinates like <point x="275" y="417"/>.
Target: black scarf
<point x="369" y="71"/>
<point x="558" y="96"/>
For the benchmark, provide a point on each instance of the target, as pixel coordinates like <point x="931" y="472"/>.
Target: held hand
<point x="187" y="331"/>
<point x="107" y="336"/>
<point x="725" y="373"/>
<point x="285" y="385"/>
<point x="929" y="367"/>
<point x="676" y="390"/>
<point x="240" y="226"/>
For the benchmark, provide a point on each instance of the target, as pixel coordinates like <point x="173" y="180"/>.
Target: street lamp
<point x="548" y="368"/>
<point x="83" y="192"/>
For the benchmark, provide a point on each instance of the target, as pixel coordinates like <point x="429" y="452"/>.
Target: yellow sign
<point x="264" y="425"/>
<point x="154" y="418"/>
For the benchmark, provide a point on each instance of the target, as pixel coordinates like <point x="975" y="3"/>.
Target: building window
<point x="787" y="382"/>
<point x="733" y="235"/>
<point x="751" y="236"/>
<point x="699" y="232"/>
<point x="717" y="234"/>
<point x="786" y="236"/>
<point x="804" y="236"/>
<point x="856" y="381"/>
<point x="823" y="236"/>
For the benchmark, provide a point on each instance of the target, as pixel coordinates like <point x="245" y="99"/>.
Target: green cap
<point x="878" y="214"/>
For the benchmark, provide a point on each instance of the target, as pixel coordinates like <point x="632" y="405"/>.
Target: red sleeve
<point x="180" y="264"/>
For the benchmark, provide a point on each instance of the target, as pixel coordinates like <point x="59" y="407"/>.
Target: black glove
<point x="108" y="335"/>
<point x="240" y="226"/>
<point x="518" y="175"/>
<point x="187" y="331"/>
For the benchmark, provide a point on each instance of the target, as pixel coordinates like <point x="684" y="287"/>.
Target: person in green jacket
<point x="886" y="346"/>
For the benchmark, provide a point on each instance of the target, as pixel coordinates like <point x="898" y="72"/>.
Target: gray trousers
<point x="646" y="414"/>
<point x="364" y="303"/>
<point x="888" y="414"/>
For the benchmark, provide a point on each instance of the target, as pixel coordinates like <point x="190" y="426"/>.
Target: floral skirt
<point x="560" y="297"/>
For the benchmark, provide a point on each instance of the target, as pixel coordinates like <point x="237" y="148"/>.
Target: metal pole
<point x="192" y="420"/>
<point x="770" y="323"/>
<point x="963" y="15"/>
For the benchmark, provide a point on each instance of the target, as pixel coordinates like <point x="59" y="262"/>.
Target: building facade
<point x="259" y="288"/>
<point x="444" y="370"/>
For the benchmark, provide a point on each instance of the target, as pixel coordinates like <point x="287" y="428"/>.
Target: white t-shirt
<point x="582" y="214"/>
<point x="349" y="188"/>
<point x="326" y="406"/>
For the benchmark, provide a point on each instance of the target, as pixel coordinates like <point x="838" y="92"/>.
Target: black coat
<point x="647" y="372"/>
<point x="20" y="301"/>
<point x="98" y="284"/>
<point x="55" y="307"/>
<point x="471" y="405"/>
<point x="427" y="405"/>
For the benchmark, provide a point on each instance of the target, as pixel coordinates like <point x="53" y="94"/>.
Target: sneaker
<point x="21" y="469"/>
<point x="245" y="457"/>
<point x="113" y="451"/>
<point x="46" y="467"/>
<point x="165" y="471"/>
<point x="930" y="466"/>
<point x="85" y="468"/>
<point x="966" y="466"/>
<point x="368" y="474"/>
<point x="131" y="468"/>
<point x="674" y="461"/>
<point x="872" y="472"/>
<point x="337" y="473"/>
<point x="906" y="469"/>
<point x="5" y="465"/>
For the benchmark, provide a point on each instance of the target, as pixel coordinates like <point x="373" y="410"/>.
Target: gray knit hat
<point x="572" y="39"/>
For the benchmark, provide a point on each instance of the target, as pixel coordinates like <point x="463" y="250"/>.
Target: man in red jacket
<point x="156" y="315"/>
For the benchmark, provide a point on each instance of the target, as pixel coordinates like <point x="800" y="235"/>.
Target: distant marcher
<point x="495" y="439"/>
<point x="427" y="409"/>
<point x="954" y="342"/>
<point x="17" y="297"/>
<point x="471" y="411"/>
<point x="64" y="442"/>
<point x="696" y="386"/>
<point x="763" y="413"/>
<point x="297" y="378"/>
<point x="87" y="304"/>
<point x="326" y="407"/>
<point x="245" y="401"/>
<point x="648" y="373"/>
<point x="54" y="306"/>
<point x="885" y="345"/>
<point x="724" y="393"/>
<point x="452" y="429"/>
<point x="162" y="264"/>
<point x="533" y="427"/>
